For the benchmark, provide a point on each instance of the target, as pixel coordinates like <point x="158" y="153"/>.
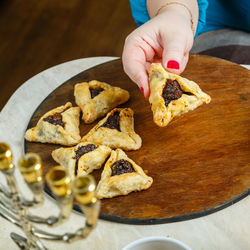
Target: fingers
<point x="173" y="54"/>
<point x="148" y="44"/>
<point x="135" y="57"/>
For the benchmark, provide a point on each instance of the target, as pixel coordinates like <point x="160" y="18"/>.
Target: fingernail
<point x="142" y="90"/>
<point x="172" y="64"/>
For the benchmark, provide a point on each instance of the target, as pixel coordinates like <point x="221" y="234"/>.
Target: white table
<point x="226" y="229"/>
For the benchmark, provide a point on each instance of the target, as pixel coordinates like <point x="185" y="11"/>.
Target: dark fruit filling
<point x="81" y="151"/>
<point x="122" y="167"/>
<point x="113" y="121"/>
<point x="95" y="92"/>
<point x="55" y="119"/>
<point x="172" y="91"/>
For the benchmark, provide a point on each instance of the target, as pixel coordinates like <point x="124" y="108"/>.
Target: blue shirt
<point x="213" y="14"/>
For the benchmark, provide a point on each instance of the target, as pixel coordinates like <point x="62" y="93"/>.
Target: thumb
<point x="173" y="54"/>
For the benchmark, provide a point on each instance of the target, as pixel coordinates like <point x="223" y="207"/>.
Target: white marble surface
<point x="226" y="229"/>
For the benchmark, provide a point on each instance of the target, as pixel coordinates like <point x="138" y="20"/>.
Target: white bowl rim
<point x="155" y="238"/>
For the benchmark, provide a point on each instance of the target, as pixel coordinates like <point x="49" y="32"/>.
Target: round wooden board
<point x="200" y="162"/>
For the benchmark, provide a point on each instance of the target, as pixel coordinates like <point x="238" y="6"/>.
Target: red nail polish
<point x="142" y="90"/>
<point x="172" y="64"/>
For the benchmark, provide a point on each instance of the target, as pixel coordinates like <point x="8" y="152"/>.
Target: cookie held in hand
<point x="121" y="176"/>
<point x="172" y="95"/>
<point x="96" y="99"/>
<point x="81" y="159"/>
<point x="116" y="130"/>
<point x="58" y="126"/>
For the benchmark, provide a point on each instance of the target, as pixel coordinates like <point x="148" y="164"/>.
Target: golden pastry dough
<point x="116" y="130"/>
<point x="64" y="131"/>
<point x="118" y="179"/>
<point x="192" y="96"/>
<point x="96" y="99"/>
<point x="81" y="159"/>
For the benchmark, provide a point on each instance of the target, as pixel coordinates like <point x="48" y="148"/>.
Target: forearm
<point x="188" y="8"/>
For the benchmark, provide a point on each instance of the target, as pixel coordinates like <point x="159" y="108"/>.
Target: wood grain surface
<point x="200" y="162"/>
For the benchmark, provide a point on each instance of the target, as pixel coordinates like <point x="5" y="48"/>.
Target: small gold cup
<point x="30" y="166"/>
<point x="84" y="189"/>
<point x="5" y="157"/>
<point x="59" y="182"/>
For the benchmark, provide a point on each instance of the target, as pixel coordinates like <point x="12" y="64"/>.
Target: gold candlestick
<point x="60" y="184"/>
<point x="7" y="168"/>
<point x="5" y="158"/>
<point x="84" y="190"/>
<point x="30" y="166"/>
<point x="13" y="206"/>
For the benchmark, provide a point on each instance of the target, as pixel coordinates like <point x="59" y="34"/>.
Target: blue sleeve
<point x="226" y="14"/>
<point x="203" y="4"/>
<point x="140" y="13"/>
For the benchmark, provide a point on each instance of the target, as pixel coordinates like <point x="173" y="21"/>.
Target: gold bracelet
<point x="183" y="5"/>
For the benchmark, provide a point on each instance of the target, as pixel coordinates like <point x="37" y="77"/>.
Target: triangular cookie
<point x="59" y="126"/>
<point x="81" y="159"/>
<point x="116" y="130"/>
<point x="172" y="95"/>
<point x="96" y="99"/>
<point x="121" y="176"/>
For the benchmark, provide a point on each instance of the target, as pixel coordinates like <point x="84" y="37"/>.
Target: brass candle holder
<point x="13" y="206"/>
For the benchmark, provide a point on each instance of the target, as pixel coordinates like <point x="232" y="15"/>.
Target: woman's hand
<point x="166" y="38"/>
